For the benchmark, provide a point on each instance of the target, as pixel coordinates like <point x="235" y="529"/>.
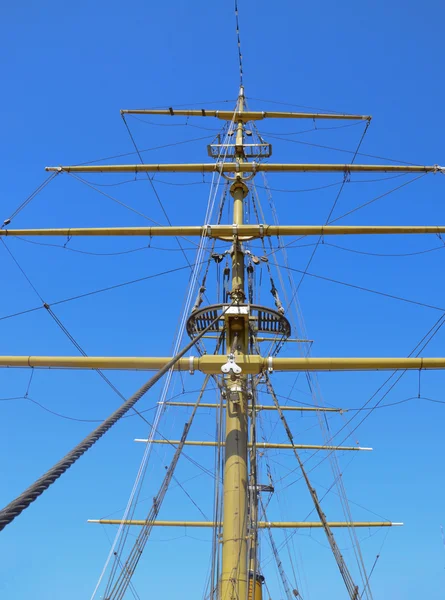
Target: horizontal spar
<point x="227" y="231"/>
<point x="211" y="364"/>
<point x="246" y="167"/>
<point x="261" y="407"/>
<point x="247" y="115"/>
<point x="260" y="445"/>
<point x="261" y="524"/>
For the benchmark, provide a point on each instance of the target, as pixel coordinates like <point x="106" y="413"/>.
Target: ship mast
<point x="239" y="321"/>
<point x="234" y="578"/>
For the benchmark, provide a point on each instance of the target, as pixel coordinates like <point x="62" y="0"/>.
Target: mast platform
<point x="261" y="319"/>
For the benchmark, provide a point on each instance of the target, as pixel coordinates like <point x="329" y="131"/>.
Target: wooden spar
<point x="226" y="231"/>
<point x="261" y="407"/>
<point x="211" y="364"/>
<point x="248" y="167"/>
<point x="243" y="116"/>
<point x="261" y="524"/>
<point x="260" y="445"/>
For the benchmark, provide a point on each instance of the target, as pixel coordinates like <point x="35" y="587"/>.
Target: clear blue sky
<point x="67" y="69"/>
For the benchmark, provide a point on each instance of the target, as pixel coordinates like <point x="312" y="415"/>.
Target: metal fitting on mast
<point x="239" y="184"/>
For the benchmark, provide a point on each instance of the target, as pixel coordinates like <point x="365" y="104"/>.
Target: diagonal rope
<point x="314" y="387"/>
<point x="155" y="191"/>
<point x="29" y="199"/>
<point x="328" y="220"/>
<point x="123" y="580"/>
<point x="19" y="504"/>
<point x="121" y="535"/>
<point x="349" y="583"/>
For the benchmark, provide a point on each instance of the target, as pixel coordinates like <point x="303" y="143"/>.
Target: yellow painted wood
<point x="248" y="115"/>
<point x="226" y="231"/>
<point x="247" y="167"/>
<point x="262" y="407"/>
<point x="259" y="445"/>
<point x="251" y="364"/>
<point x="234" y="568"/>
<point x="261" y="524"/>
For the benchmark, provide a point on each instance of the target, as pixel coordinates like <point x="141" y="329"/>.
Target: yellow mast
<point x="239" y="567"/>
<point x="234" y="575"/>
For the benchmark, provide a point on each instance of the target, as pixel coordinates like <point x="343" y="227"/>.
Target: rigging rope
<point x="328" y="219"/>
<point x="288" y="538"/>
<point x="377" y="198"/>
<point x="328" y="110"/>
<point x="123" y="580"/>
<point x="94" y="292"/>
<point x="416" y="351"/>
<point x="349" y="583"/>
<point x="363" y="289"/>
<point x="341" y="150"/>
<point x="19" y="504"/>
<point x="284" y="579"/>
<point x="218" y="492"/>
<point x="31" y="197"/>
<point x="155" y="191"/>
<point x="121" y="535"/>
<point x="313" y="383"/>
<point x="139" y="152"/>
<point x="377" y="254"/>
<point x="130" y="208"/>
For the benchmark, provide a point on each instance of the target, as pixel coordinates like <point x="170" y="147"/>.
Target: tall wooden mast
<point x="234" y="578"/>
<point x="238" y="321"/>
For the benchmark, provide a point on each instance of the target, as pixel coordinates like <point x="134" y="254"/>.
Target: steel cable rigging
<point x="349" y="583"/>
<point x="313" y="386"/>
<point x="121" y="535"/>
<point x="284" y="579"/>
<point x="118" y="583"/>
<point x="341" y="150"/>
<point x="98" y="291"/>
<point x="328" y="219"/>
<point x="425" y="340"/>
<point x="327" y="110"/>
<point x="150" y="179"/>
<point x="29" y="199"/>
<point x="377" y="254"/>
<point x="19" y="504"/>
<point x="139" y="152"/>
<point x="363" y="289"/>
